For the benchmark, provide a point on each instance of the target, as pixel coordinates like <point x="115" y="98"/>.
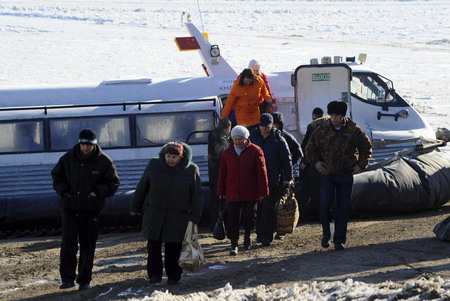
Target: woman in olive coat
<point x="169" y="195"/>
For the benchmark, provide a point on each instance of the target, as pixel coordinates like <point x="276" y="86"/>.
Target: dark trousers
<point x="216" y="206"/>
<point x="265" y="217"/>
<point x="172" y="252"/>
<point x="335" y="188"/>
<point x="82" y="228"/>
<point x="309" y="192"/>
<point x="237" y="212"/>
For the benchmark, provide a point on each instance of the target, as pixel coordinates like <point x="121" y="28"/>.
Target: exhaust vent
<point x="326" y="60"/>
<point x="338" y="59"/>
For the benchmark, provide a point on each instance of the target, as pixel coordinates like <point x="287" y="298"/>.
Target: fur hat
<point x="337" y="107"/>
<point x="265" y="119"/>
<point x="241" y="131"/>
<point x="87" y="136"/>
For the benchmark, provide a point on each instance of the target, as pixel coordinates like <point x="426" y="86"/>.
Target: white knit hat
<point x="240" y="130"/>
<point x="254" y="63"/>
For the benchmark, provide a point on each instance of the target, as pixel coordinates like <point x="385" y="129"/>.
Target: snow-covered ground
<point x="62" y="41"/>
<point x="422" y="289"/>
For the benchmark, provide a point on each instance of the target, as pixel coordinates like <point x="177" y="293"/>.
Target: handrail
<point x="426" y="146"/>
<point x="195" y="132"/>
<point x="386" y="142"/>
<point x="124" y="104"/>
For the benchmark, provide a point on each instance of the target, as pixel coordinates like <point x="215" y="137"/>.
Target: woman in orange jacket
<point x="244" y="98"/>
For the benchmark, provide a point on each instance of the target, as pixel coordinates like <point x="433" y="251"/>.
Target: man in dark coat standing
<point x="83" y="178"/>
<point x="279" y="174"/>
<point x="218" y="141"/>
<point x="308" y="191"/>
<point x="294" y="147"/>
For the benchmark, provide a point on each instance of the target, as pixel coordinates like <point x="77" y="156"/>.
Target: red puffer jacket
<point x="244" y="177"/>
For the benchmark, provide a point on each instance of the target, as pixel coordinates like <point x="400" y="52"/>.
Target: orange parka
<point x="244" y="100"/>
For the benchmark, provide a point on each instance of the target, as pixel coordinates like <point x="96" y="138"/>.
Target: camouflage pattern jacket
<point x="340" y="150"/>
<point x="309" y="131"/>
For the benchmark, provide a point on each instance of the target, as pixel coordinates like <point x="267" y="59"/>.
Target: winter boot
<point x="234" y="248"/>
<point x="247" y="241"/>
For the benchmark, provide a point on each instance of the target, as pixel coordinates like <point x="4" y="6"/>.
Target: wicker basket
<point x="287" y="212"/>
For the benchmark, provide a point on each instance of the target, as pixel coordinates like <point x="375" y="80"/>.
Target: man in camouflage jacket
<point x="337" y="149"/>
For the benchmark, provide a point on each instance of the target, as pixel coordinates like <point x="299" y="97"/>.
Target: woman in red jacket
<point x="242" y="181"/>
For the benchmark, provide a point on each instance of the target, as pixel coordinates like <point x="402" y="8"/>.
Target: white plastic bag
<point x="191" y="257"/>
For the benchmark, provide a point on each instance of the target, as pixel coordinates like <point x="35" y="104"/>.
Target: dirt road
<point x="398" y="248"/>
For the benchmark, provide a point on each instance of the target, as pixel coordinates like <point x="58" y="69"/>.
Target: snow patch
<point x="442" y="42"/>
<point x="421" y="289"/>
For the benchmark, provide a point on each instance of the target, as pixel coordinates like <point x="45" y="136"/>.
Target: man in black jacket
<point x="294" y="146"/>
<point x="218" y="141"/>
<point x="83" y="178"/>
<point x="279" y="173"/>
<point x="308" y="191"/>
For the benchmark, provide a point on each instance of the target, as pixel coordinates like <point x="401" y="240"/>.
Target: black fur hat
<point x="337" y="107"/>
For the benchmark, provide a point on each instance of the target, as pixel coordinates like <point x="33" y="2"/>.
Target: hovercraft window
<point x="22" y="136"/>
<point x="375" y="89"/>
<point x="112" y="132"/>
<point x="161" y="128"/>
<point x="367" y="88"/>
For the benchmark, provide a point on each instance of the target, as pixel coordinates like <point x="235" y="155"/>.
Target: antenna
<point x="182" y="17"/>
<point x="200" y="13"/>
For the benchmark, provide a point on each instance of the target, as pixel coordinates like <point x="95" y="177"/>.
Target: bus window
<point x="22" y="136"/>
<point x="111" y="131"/>
<point x="162" y="128"/>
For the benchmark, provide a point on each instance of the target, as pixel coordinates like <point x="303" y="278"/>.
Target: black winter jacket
<point x="75" y="177"/>
<point x="276" y="153"/>
<point x="294" y="146"/>
<point x="218" y="141"/>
